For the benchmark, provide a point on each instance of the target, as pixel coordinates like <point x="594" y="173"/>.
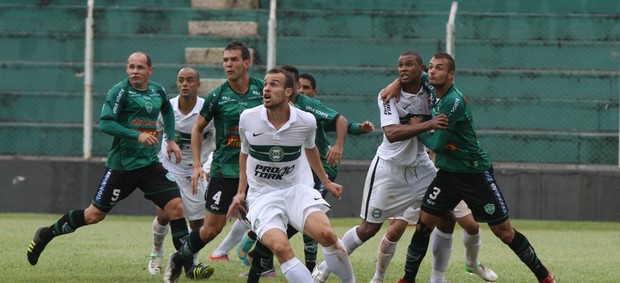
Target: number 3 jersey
<point x="275" y="157"/>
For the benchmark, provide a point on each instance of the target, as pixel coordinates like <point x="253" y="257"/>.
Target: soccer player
<point x="401" y="169"/>
<point x="307" y="85"/>
<point x="279" y="194"/>
<point x="465" y="173"/>
<point x="223" y="105"/>
<point x="130" y="114"/>
<point x="186" y="107"/>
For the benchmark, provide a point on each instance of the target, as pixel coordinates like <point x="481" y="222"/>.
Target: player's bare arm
<point x="396" y="133"/>
<point x="238" y="203"/>
<point x="199" y="126"/>
<point x="334" y="155"/>
<point x="314" y="159"/>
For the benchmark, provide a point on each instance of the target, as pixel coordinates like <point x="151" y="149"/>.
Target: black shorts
<point x="478" y="190"/>
<point x="220" y="194"/>
<point x="153" y="180"/>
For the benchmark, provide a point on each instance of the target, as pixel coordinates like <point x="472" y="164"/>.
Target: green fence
<point x="543" y="77"/>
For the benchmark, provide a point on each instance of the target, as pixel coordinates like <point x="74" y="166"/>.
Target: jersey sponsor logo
<point x="387" y="109"/>
<point x="143" y="122"/>
<point x="272" y="172"/>
<point x="452" y="147"/>
<point x="456" y="104"/>
<point x="276" y="153"/>
<point x="233" y="142"/>
<point x="118" y="100"/>
<point x="148" y="132"/>
<point x="489" y="208"/>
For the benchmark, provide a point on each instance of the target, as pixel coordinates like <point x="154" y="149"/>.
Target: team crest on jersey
<point x="276" y="154"/>
<point x="376" y="213"/>
<point x="149" y="107"/>
<point x="170" y="177"/>
<point x="489" y="208"/>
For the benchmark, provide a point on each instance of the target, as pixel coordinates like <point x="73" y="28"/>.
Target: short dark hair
<point x="416" y="55"/>
<point x="293" y="70"/>
<point x="289" y="80"/>
<point x="310" y="78"/>
<point x="443" y="55"/>
<point x="237" y="45"/>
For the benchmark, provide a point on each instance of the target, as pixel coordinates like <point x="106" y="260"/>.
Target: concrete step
<point x="208" y="55"/>
<point x="225" y="4"/>
<point x="223" y="28"/>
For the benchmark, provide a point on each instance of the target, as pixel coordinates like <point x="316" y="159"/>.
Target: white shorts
<point x="193" y="205"/>
<point x="277" y="208"/>
<point x="391" y="188"/>
<point x="411" y="215"/>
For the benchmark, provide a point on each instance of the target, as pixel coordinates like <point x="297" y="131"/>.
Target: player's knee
<point x="174" y="209"/>
<point x="281" y="249"/>
<point x="424" y="229"/>
<point x="326" y="237"/>
<point x="367" y="230"/>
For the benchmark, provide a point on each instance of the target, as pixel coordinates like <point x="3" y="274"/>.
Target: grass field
<point x="116" y="250"/>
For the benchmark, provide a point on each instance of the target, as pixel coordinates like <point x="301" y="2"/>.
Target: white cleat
<point x="485" y="273"/>
<point x="154" y="267"/>
<point x="318" y="275"/>
<point x="376" y="280"/>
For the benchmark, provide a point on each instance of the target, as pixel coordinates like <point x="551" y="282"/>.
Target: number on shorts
<point x="216" y="197"/>
<point x="435" y="193"/>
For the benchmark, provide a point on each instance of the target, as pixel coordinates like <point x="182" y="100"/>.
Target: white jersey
<point x="410" y="151"/>
<point x="275" y="160"/>
<point x="183" y="125"/>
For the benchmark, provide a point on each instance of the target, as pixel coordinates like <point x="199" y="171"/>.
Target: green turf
<point x="116" y="250"/>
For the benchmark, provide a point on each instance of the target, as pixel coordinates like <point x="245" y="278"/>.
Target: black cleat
<point x="200" y="272"/>
<point x="36" y="247"/>
<point x="174" y="269"/>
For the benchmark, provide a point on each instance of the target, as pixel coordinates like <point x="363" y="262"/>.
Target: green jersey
<point x="224" y="106"/>
<point x="457" y="149"/>
<point x="324" y="116"/>
<point x="128" y="112"/>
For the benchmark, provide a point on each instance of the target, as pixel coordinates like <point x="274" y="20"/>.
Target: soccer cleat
<point x="485" y="273"/>
<point x="174" y="268"/>
<point x="376" y="280"/>
<point x="267" y="273"/>
<point x="318" y="275"/>
<point x="36" y="247"/>
<point x="243" y="249"/>
<point x="223" y="257"/>
<point x="155" y="263"/>
<point x="200" y="272"/>
<point x="550" y="279"/>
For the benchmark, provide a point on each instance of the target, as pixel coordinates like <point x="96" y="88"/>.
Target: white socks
<point x="159" y="235"/>
<point x="442" y="250"/>
<point x="338" y="262"/>
<point x="384" y="256"/>
<point x="472" y="248"/>
<point x="294" y="271"/>
<point x="234" y="237"/>
<point x="351" y="241"/>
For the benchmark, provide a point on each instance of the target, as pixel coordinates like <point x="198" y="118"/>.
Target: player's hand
<point x="334" y="155"/>
<point x="389" y="92"/>
<point x="367" y="127"/>
<point x="147" y="139"/>
<point x="174" y="148"/>
<point x="238" y="208"/>
<point x="439" y="122"/>
<point x="198" y="174"/>
<point x="334" y="188"/>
